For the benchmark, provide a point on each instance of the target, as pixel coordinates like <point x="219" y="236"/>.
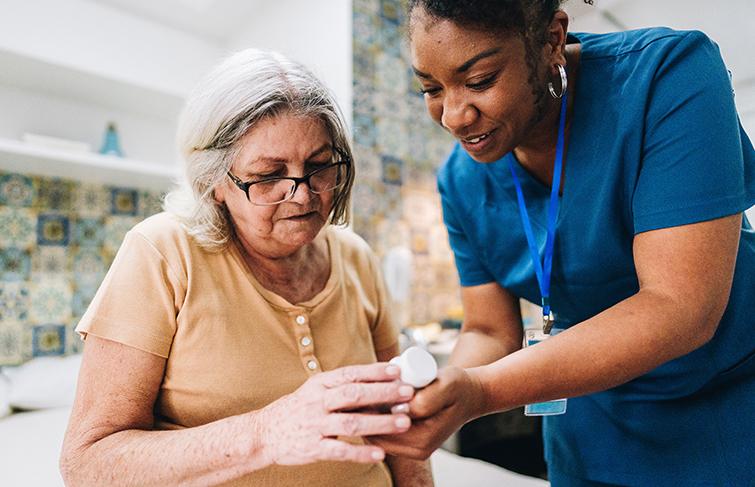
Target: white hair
<point x="243" y="89"/>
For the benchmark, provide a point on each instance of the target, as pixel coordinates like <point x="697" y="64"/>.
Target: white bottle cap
<point x="418" y="367"/>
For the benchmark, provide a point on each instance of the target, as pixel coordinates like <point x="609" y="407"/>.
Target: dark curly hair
<point x="528" y="19"/>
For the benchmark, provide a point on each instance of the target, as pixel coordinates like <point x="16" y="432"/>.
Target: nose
<point x="302" y="194"/>
<point x="457" y="114"/>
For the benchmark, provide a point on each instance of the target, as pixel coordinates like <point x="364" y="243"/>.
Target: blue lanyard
<point x="543" y="271"/>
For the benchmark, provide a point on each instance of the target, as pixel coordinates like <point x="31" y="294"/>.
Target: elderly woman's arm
<point x="110" y="438"/>
<point x="406" y="472"/>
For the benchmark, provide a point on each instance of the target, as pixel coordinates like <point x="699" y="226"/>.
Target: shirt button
<point x="306" y="341"/>
<point x="312" y="365"/>
<point x="301" y="319"/>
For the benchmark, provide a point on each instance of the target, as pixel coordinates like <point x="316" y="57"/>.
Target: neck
<point x="286" y="270"/>
<point x="537" y="151"/>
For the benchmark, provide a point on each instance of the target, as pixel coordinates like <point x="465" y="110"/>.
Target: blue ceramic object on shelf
<point x="111" y="145"/>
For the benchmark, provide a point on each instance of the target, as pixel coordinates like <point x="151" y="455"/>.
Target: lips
<point x="301" y="216"/>
<point x="476" y="139"/>
<point x="477" y="143"/>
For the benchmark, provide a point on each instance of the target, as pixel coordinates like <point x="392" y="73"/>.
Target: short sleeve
<point x="693" y="161"/>
<point x="138" y="301"/>
<point x="472" y="271"/>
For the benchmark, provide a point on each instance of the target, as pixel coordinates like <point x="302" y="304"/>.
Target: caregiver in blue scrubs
<point x="603" y="177"/>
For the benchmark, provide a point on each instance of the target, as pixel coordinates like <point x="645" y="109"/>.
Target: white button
<point x="301" y="319"/>
<point x="305" y="341"/>
<point x="312" y="365"/>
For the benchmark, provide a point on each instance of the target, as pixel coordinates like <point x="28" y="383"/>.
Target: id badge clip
<point x="548" y="408"/>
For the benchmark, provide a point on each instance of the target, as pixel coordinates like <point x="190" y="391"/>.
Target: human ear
<point x="556" y="38"/>
<point x="218" y="193"/>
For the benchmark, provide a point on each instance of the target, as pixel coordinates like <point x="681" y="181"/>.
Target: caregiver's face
<point x="477" y="85"/>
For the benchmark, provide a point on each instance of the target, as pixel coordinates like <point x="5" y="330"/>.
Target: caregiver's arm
<point x="110" y="438"/>
<point x="685" y="275"/>
<point x="492" y="326"/>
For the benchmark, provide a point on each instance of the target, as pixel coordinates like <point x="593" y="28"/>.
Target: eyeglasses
<point x="274" y="190"/>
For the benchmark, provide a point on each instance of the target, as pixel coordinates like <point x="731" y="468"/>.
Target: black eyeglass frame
<point x="244" y="186"/>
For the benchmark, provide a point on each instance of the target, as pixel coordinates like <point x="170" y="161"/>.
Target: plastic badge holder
<point x="548" y="408"/>
<point x="418" y="367"/>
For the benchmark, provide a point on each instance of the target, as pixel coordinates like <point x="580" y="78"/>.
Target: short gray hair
<point x="245" y="88"/>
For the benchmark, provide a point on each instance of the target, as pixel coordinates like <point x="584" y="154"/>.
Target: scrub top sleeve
<point x="693" y="166"/>
<point x="471" y="270"/>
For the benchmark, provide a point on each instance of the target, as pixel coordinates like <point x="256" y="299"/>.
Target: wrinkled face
<point x="284" y="145"/>
<point x="477" y="85"/>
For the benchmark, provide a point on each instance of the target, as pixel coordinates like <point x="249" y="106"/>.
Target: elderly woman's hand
<point x="302" y="427"/>
<point x="438" y="410"/>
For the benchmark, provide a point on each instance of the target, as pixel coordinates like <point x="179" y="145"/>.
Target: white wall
<point x="69" y="67"/>
<point x="104" y="41"/>
<point x="314" y="33"/>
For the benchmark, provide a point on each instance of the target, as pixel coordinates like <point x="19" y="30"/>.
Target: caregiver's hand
<point x="438" y="410"/>
<point x="302" y="427"/>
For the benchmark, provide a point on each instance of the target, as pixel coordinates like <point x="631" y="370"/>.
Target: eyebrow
<point x="277" y="160"/>
<point x="466" y="65"/>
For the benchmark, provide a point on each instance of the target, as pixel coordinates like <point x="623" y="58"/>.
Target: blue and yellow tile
<point x="364" y="128"/>
<point x="82" y="297"/>
<point x="51" y="302"/>
<point x="48" y="339"/>
<point x="55" y="194"/>
<point x="150" y="203"/>
<point x="408" y="144"/>
<point x="89" y="232"/>
<point x="12" y="344"/>
<point x="16" y="190"/>
<point x="89" y="266"/>
<point x="53" y="229"/>
<point x="15" y="264"/>
<point x="390" y="74"/>
<point x="14" y="302"/>
<point x="18" y="227"/>
<point x="50" y="260"/>
<point x="57" y="234"/>
<point x="392" y="170"/>
<point x="124" y="201"/>
<point x="116" y="227"/>
<point x="92" y="200"/>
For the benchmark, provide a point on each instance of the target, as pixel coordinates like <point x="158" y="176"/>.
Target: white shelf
<point x="88" y="87"/>
<point x="16" y="156"/>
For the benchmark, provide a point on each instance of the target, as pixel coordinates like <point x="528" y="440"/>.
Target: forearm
<point x="203" y="455"/>
<point x="410" y="473"/>
<point x="477" y="347"/>
<point x="617" y="345"/>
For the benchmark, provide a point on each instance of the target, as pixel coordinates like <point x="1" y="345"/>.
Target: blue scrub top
<point x="655" y="142"/>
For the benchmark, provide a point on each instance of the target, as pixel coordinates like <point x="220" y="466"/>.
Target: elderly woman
<point x="233" y="340"/>
<point x="648" y="267"/>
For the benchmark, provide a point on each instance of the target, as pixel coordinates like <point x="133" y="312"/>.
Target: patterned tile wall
<point x="57" y="240"/>
<point x="398" y="150"/>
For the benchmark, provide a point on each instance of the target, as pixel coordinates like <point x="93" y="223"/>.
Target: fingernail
<point x="392" y="370"/>
<point x="400" y="409"/>
<point x="378" y="455"/>
<point x="403" y="422"/>
<point x="406" y="391"/>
